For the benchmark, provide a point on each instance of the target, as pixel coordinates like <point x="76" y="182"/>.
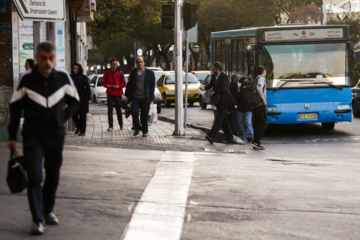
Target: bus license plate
<point x="308" y="116"/>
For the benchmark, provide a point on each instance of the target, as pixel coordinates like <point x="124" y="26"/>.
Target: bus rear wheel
<point x="328" y="125"/>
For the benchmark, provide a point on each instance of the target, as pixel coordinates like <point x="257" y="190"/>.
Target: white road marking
<point x="160" y="213"/>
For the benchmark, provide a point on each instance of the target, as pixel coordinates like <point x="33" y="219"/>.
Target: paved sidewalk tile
<point x="159" y="132"/>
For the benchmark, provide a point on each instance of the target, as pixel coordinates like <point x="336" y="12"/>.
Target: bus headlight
<point x="346" y="106"/>
<point x="271" y="109"/>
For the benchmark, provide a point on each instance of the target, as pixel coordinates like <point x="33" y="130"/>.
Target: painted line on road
<point x="160" y="212"/>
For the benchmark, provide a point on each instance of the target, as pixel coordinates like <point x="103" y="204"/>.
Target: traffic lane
<point x="195" y="115"/>
<point x="99" y="188"/>
<point x="280" y="194"/>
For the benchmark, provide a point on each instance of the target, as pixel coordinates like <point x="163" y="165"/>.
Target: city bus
<point x="308" y="70"/>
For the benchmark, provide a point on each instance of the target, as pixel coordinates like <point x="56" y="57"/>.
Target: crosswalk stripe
<point x="160" y="213"/>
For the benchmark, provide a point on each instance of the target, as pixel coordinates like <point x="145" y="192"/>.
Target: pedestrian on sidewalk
<point x="114" y="81"/>
<point x="220" y="83"/>
<point x="83" y="87"/>
<point x="42" y="93"/>
<point x="234" y="91"/>
<point x="244" y="113"/>
<point x="260" y="112"/>
<point x="140" y="92"/>
<point x="29" y="64"/>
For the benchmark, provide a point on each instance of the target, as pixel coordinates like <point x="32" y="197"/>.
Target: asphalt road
<point x="305" y="185"/>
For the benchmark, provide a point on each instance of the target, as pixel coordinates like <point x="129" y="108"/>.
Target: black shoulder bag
<point x="16" y="177"/>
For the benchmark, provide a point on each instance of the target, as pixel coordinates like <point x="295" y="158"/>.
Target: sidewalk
<point x="160" y="136"/>
<point x="159" y="132"/>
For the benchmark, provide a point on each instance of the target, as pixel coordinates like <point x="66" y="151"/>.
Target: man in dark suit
<point x="220" y="84"/>
<point x="140" y="91"/>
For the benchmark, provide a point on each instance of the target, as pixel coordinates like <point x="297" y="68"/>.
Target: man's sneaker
<point x="210" y="139"/>
<point x="249" y="139"/>
<point x="121" y="128"/>
<point x="257" y="146"/>
<point x="81" y="134"/>
<point x="51" y="219"/>
<point x="77" y="131"/>
<point x="109" y="129"/>
<point x="136" y="132"/>
<point x="37" y="228"/>
<point x="145" y="135"/>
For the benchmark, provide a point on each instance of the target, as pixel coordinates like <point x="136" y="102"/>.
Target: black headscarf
<point x="79" y="74"/>
<point x="30" y="62"/>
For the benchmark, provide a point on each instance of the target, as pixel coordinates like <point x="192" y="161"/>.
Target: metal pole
<point x="324" y="9"/>
<point x="36" y="36"/>
<point x="179" y="125"/>
<point x="186" y="76"/>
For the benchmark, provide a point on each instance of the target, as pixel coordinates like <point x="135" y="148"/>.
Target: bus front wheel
<point x="328" y="125"/>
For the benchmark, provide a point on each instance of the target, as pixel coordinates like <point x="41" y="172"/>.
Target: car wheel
<point x="202" y="104"/>
<point x="191" y="103"/>
<point x="158" y="108"/>
<point x="356" y="112"/>
<point x="328" y="125"/>
<point x="166" y="102"/>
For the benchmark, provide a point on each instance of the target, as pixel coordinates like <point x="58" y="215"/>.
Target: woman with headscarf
<point x="82" y="85"/>
<point x="29" y="64"/>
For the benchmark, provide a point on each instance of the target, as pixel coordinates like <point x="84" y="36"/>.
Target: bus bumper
<point x="309" y="113"/>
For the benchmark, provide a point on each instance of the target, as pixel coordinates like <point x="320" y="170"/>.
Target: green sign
<point x="28" y="46"/>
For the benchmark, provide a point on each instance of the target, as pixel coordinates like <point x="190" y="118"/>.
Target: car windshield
<point x="158" y="75"/>
<point x="170" y="79"/>
<point x="305" y="65"/>
<point x="201" y="76"/>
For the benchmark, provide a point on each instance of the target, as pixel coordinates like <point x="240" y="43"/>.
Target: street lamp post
<point x="196" y="49"/>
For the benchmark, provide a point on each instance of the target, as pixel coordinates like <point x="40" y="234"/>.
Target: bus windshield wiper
<point x="285" y="82"/>
<point x="330" y="84"/>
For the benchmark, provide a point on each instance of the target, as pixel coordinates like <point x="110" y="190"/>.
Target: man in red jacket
<point x="114" y="81"/>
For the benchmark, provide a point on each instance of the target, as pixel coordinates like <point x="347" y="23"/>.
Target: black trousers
<point x="80" y="121"/>
<point x="221" y="121"/>
<point x="35" y="148"/>
<point x="259" y="122"/>
<point x="111" y="100"/>
<point x="142" y="105"/>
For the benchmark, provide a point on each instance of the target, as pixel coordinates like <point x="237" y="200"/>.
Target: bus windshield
<point x="305" y="65"/>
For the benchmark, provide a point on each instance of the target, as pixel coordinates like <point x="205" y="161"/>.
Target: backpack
<point x="251" y="96"/>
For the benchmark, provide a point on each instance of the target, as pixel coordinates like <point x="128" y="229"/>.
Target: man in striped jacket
<point x="48" y="97"/>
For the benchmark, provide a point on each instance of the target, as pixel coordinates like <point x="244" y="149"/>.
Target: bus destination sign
<point x="303" y="34"/>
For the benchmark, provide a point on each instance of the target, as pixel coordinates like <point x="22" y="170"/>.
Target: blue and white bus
<point x="308" y="70"/>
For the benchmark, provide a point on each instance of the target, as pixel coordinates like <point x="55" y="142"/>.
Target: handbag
<point x="16" y="177"/>
<point x="152" y="116"/>
<point x="128" y="110"/>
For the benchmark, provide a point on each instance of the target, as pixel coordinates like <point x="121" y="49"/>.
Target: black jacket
<point x="149" y="85"/>
<point x="43" y="101"/>
<point x="241" y="106"/>
<point x="234" y="90"/>
<point x="221" y="87"/>
<point x="83" y="87"/>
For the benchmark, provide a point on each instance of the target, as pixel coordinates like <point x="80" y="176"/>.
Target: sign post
<point x="41" y="10"/>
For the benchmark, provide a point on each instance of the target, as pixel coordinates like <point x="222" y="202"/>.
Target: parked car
<point x="166" y="86"/>
<point x="201" y="75"/>
<point x="155" y="69"/>
<point x="157" y="95"/>
<point x="355" y="93"/>
<point x="204" y="98"/>
<point x="98" y="92"/>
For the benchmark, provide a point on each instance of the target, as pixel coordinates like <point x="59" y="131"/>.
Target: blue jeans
<point x="35" y="148"/>
<point x="244" y="123"/>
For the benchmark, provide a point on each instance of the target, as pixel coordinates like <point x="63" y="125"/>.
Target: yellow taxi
<point x="166" y="86"/>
